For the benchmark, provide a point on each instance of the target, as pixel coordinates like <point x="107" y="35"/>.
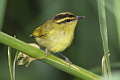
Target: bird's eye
<point x="68" y="20"/>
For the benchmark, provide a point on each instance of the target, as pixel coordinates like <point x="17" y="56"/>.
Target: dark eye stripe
<point x="68" y="20"/>
<point x="63" y="16"/>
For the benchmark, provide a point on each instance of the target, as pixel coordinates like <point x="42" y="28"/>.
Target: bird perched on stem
<point x="57" y="34"/>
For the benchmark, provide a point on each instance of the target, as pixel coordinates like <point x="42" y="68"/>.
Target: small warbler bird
<point x="57" y="34"/>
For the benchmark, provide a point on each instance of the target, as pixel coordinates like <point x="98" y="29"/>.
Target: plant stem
<point x="104" y="36"/>
<point x="2" y="12"/>
<point x="10" y="64"/>
<point x="116" y="12"/>
<point x="52" y="60"/>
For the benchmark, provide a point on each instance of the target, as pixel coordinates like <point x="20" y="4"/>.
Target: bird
<point x="56" y="34"/>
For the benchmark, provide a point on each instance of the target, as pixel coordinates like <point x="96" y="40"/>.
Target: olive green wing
<point x="42" y="31"/>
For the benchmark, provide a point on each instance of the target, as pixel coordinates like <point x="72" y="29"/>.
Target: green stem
<point x="10" y="64"/>
<point x="2" y="12"/>
<point x="116" y="12"/>
<point x="104" y="36"/>
<point x="52" y="60"/>
<point x="14" y="63"/>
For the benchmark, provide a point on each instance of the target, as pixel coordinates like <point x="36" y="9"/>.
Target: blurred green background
<point x="21" y="17"/>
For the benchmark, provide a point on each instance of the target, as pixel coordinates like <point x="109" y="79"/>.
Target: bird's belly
<point x="60" y="44"/>
<point x="57" y="43"/>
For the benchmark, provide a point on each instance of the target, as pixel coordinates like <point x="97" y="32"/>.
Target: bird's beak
<point x="80" y="17"/>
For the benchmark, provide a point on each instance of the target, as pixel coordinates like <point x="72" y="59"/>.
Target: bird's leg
<point x="47" y="52"/>
<point x="66" y="59"/>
